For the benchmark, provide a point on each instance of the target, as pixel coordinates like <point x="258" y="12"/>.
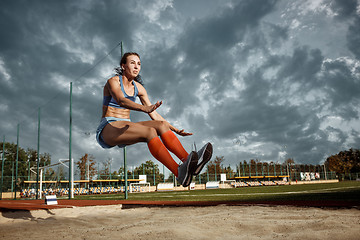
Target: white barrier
<point x="212" y="185"/>
<point x="223" y="177"/>
<point x="50" y="200"/>
<point x="224" y="180"/>
<point x="165" y="187"/>
<point x="143" y="179"/>
<point x="192" y="186"/>
<point x="139" y="187"/>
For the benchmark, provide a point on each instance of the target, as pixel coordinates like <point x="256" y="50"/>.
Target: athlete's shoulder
<point x="140" y="87"/>
<point x="112" y="82"/>
<point x="114" y="78"/>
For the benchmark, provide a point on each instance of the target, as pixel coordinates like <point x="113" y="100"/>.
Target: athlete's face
<point x="132" y="67"/>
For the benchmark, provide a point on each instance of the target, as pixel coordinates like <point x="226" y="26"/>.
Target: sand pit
<point x="219" y="222"/>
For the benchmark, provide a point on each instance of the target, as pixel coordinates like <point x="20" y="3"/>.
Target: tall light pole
<point x="287" y="164"/>
<point x="2" y="167"/>
<point x="17" y="159"/>
<point x="164" y="172"/>
<point x="238" y="143"/>
<point x="70" y="150"/>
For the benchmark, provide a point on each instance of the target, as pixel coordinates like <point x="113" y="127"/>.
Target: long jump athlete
<point x="116" y="129"/>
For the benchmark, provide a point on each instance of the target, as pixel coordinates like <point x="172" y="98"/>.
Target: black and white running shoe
<point x="186" y="169"/>
<point x="204" y="154"/>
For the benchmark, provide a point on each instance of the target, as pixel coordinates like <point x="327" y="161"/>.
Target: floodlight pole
<point x="207" y="174"/>
<point x="121" y="49"/>
<point x="125" y="173"/>
<point x="154" y="174"/>
<point x="125" y="167"/>
<point x="29" y="168"/>
<point x="2" y="167"/>
<point x="288" y="172"/>
<point x="215" y="173"/>
<point x="249" y="169"/>
<point x="164" y="172"/>
<point x="17" y="158"/>
<point x="41" y="181"/>
<point x="38" y="158"/>
<point x="70" y="162"/>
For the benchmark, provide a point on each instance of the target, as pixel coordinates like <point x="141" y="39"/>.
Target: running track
<point x="28" y="205"/>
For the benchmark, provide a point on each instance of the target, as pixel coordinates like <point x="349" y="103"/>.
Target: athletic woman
<point x="116" y="129"/>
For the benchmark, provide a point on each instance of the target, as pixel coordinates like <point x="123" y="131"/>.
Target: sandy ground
<point x="220" y="222"/>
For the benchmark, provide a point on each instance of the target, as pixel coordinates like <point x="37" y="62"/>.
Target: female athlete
<point x="116" y="129"/>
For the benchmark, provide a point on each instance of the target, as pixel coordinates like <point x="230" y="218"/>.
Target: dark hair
<point x="119" y="70"/>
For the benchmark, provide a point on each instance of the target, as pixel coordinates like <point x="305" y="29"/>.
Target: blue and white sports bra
<point x="110" y="101"/>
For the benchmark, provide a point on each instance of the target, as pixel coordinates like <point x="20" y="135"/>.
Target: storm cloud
<point x="259" y="79"/>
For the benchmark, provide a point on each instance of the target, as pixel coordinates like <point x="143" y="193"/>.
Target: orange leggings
<point x="160" y="150"/>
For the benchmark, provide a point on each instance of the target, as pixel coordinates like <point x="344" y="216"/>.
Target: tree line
<point x="27" y="161"/>
<point x="344" y="162"/>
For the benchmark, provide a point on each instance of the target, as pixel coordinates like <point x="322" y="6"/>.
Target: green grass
<point x="342" y="191"/>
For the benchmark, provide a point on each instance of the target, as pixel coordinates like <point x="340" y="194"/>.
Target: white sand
<point x="221" y="222"/>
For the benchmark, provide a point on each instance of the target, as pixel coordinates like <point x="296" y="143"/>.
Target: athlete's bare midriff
<point x="115" y="112"/>
<point x="108" y="111"/>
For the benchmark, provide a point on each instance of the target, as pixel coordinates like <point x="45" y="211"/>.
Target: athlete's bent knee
<point x="163" y="126"/>
<point x="151" y="133"/>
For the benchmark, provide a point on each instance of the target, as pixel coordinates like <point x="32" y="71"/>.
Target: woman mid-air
<point x="116" y="129"/>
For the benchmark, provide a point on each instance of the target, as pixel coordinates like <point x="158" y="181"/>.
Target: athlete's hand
<point x="181" y="132"/>
<point x="151" y="108"/>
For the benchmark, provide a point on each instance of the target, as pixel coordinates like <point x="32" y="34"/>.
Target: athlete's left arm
<point x="144" y="98"/>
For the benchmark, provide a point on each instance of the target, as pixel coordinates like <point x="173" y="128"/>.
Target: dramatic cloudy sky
<point x="259" y="79"/>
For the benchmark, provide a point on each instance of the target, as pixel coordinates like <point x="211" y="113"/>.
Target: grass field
<point x="342" y="191"/>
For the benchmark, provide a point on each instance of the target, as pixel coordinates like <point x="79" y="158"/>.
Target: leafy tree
<point x="246" y="168"/>
<point x="86" y="165"/>
<point x="216" y="164"/>
<point x="149" y="168"/>
<point x="60" y="173"/>
<point x="26" y="159"/>
<point x="229" y="171"/>
<point x="50" y="173"/>
<point x="146" y="168"/>
<point x="289" y="161"/>
<point x="344" y="162"/>
<point x="106" y="168"/>
<point x="255" y="166"/>
<point x="105" y="172"/>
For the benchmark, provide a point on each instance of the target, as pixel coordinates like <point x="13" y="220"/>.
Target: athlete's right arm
<point x="115" y="90"/>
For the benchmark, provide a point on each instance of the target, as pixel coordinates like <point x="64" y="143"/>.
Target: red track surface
<point x="28" y="205"/>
